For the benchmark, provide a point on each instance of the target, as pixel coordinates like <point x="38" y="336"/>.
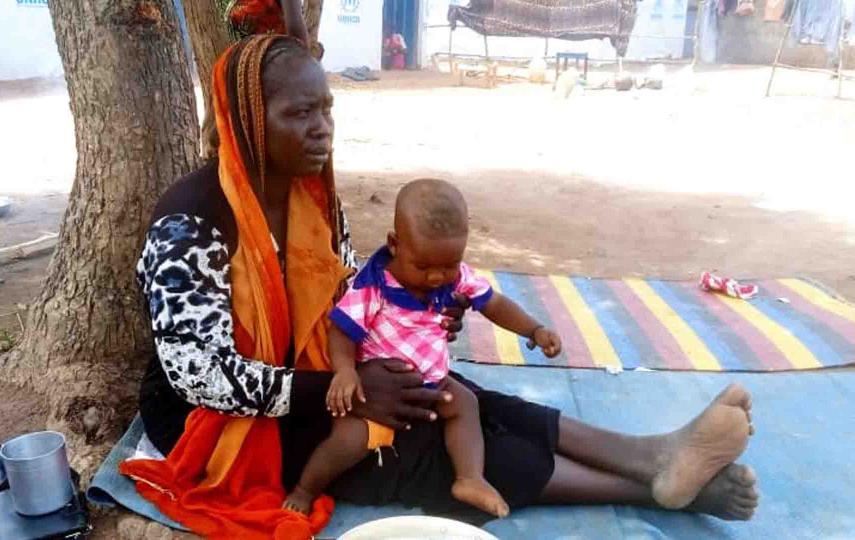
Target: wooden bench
<point x="485" y="70"/>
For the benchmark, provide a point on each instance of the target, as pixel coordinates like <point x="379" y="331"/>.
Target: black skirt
<point x="520" y="441"/>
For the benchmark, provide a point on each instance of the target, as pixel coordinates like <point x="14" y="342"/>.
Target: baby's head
<point x="431" y="230"/>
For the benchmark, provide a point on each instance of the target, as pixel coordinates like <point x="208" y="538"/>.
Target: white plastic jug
<point x="537" y="70"/>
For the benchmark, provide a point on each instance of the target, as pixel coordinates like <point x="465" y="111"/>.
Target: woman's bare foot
<point x="730" y="495"/>
<point x="697" y="452"/>
<point x="479" y="493"/>
<point x="299" y="500"/>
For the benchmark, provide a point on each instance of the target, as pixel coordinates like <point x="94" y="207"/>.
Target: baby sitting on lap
<point x="393" y="309"/>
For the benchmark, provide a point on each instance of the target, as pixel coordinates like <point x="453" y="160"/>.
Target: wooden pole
<point x="838" y="72"/>
<point x="486" y="50"/>
<point x="696" y="41"/>
<point x="827" y="71"/>
<point x="840" y="52"/>
<point x="450" y="54"/>
<point x="781" y="46"/>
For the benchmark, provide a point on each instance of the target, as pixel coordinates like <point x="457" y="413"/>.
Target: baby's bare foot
<point x="480" y="494"/>
<point x="730" y="495"/>
<point x="697" y="452"/>
<point x="299" y="500"/>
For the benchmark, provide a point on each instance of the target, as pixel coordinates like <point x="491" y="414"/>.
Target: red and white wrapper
<point x="713" y="283"/>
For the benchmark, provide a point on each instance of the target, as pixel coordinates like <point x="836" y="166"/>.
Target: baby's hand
<point x="340" y="395"/>
<point x="547" y="340"/>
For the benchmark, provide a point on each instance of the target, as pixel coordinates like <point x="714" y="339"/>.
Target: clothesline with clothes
<point x="710" y="14"/>
<point x="815" y="22"/>
<point x="818" y="22"/>
<point x="822" y="22"/>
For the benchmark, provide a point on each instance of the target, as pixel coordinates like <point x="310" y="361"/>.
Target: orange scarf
<point x="223" y="478"/>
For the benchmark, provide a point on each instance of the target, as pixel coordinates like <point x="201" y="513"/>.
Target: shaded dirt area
<point x="21" y="410"/>
<point x="530" y="222"/>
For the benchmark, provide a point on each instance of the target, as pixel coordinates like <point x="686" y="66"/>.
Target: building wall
<point x="352" y="33"/>
<point x="27" y="44"/>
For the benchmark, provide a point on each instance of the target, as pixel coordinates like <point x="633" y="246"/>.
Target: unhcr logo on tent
<point x="349" y="15"/>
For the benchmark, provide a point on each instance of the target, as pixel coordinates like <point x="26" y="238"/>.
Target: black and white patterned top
<point x="184" y="273"/>
<point x="184" y="276"/>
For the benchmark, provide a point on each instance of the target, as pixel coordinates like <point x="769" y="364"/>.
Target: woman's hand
<point x="395" y="395"/>
<point x="453" y="323"/>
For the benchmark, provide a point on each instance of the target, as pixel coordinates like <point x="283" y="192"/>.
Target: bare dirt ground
<point x="705" y="174"/>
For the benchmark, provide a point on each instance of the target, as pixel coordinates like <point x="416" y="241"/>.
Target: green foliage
<point x="224" y="6"/>
<point x="7" y="340"/>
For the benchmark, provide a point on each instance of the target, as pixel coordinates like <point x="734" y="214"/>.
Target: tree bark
<point x="209" y="36"/>
<point x="87" y="337"/>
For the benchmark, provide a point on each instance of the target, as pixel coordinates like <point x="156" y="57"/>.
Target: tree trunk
<point x="87" y="337"/>
<point x="209" y="36"/>
<point x="312" y="15"/>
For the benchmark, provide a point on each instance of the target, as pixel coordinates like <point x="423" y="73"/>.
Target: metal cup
<point x="37" y="469"/>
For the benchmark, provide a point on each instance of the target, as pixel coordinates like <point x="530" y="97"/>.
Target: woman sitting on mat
<point x="241" y="266"/>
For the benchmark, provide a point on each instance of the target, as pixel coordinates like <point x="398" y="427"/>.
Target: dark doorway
<point x="402" y="17"/>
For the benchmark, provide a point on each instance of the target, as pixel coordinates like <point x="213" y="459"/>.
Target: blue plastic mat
<point x="802" y="452"/>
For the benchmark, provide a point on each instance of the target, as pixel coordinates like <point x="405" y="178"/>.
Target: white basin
<point x="416" y="528"/>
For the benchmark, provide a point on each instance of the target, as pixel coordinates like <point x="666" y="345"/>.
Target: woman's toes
<point x="744" y="513"/>
<point x="742" y="475"/>
<point x="735" y="395"/>
<point x="746" y="502"/>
